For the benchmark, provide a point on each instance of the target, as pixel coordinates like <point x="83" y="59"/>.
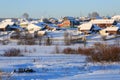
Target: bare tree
<point x="93" y="15"/>
<point x="25" y="15"/>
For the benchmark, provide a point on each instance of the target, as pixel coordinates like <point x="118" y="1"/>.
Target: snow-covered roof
<point x="24" y="23"/>
<point x="116" y="16"/>
<point x="33" y="27"/>
<point x="111" y="28"/>
<point x="102" y="21"/>
<point x="85" y="26"/>
<point x="53" y="19"/>
<point x="70" y="18"/>
<point x="7" y="20"/>
<point x="34" y="22"/>
<point x="4" y="24"/>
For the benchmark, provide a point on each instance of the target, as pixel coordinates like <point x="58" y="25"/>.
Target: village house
<point x="35" y="29"/>
<point x="69" y="22"/>
<point x="24" y="24"/>
<point x="116" y="18"/>
<point x="53" y="20"/>
<point x="65" y="23"/>
<point x="103" y="23"/>
<point x="112" y="30"/>
<point x="88" y="28"/>
<point x="9" y="25"/>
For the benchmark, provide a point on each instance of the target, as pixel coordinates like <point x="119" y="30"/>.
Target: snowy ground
<point x="51" y="66"/>
<point x="58" y="67"/>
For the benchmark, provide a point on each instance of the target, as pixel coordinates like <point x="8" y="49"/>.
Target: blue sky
<point x="58" y="8"/>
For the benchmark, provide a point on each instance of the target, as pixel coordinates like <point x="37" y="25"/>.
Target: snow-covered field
<point x="51" y="66"/>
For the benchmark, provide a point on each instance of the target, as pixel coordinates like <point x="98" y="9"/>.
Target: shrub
<point x="16" y="35"/>
<point x="105" y="53"/>
<point x="103" y="38"/>
<point x="69" y="51"/>
<point x="82" y="51"/>
<point x="85" y="51"/>
<point x="100" y="46"/>
<point x="99" y="53"/>
<point x="12" y="52"/>
<point x="28" y="39"/>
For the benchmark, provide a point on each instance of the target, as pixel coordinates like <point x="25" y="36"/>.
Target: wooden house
<point x="24" y="24"/>
<point x="88" y="28"/>
<point x="116" y="18"/>
<point x="65" y="23"/>
<point x="103" y="23"/>
<point x="5" y="25"/>
<point x="35" y="29"/>
<point x="53" y="20"/>
<point x="69" y="22"/>
<point x="113" y="30"/>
